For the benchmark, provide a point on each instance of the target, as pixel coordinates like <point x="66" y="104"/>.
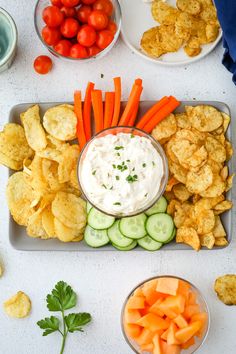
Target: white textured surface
<point x="103" y="280"/>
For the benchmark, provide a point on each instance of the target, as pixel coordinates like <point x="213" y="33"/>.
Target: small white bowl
<point x="8" y="40"/>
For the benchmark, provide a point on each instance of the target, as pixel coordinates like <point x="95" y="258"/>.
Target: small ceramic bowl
<point x="8" y="40"/>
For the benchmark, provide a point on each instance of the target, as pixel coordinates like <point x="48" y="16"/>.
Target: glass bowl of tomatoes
<point x="78" y="29"/>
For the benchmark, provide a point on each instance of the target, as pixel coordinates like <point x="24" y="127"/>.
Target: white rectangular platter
<point x="17" y="234"/>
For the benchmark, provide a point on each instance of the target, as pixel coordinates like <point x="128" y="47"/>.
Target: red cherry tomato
<point x="78" y="51"/>
<point x="98" y="19"/>
<point x="88" y="2"/>
<point x="112" y="27"/>
<point x="42" y="64"/>
<point x="63" y="47"/>
<point x="104" y="5"/>
<point x="51" y="35"/>
<point x="70" y="27"/>
<point x="68" y="11"/>
<point x="52" y="16"/>
<point x="70" y="3"/>
<point x="87" y="36"/>
<point x="93" y="50"/>
<point x="56" y="3"/>
<point x="83" y="13"/>
<point x="104" y="38"/>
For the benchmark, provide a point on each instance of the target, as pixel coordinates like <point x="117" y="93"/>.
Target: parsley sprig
<point x="63" y="298"/>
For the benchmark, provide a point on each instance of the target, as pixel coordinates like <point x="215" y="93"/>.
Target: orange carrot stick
<point x="109" y="108"/>
<point x="97" y="110"/>
<point x="139" y="81"/>
<point x="132" y="103"/>
<point x="116" y="114"/>
<point x="133" y="116"/>
<point x="87" y="111"/>
<point x="80" y="125"/>
<point x="161" y="114"/>
<point x="153" y="110"/>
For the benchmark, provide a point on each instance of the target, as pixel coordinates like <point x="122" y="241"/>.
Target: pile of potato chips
<point x="192" y="24"/>
<point x="197" y="152"/>
<point x="44" y="195"/>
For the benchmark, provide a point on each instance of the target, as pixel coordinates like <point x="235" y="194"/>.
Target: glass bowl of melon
<point x="165" y="315"/>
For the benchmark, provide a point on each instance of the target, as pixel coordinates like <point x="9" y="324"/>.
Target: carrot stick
<point x="161" y="114"/>
<point x="153" y="110"/>
<point x="97" y="109"/>
<point x="133" y="116"/>
<point x="80" y="125"/>
<point x="109" y="108"/>
<point x="132" y="103"/>
<point x="87" y="111"/>
<point x="139" y="81"/>
<point x="116" y="114"/>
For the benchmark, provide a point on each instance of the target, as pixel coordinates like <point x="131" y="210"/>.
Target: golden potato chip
<point x="60" y="122"/>
<point x="65" y="233"/>
<point x="208" y="203"/>
<point x="13" y="146"/>
<point x="183" y="150"/>
<point x="223" y="206"/>
<point x="200" y="181"/>
<point x="224" y="173"/>
<point x="34" y="131"/>
<point x="78" y="238"/>
<point x="215" y="166"/>
<point x="225" y="288"/>
<point x="70" y="210"/>
<point x="48" y="222"/>
<point x="188" y="236"/>
<point x="205" y="118"/>
<point x="198" y="159"/>
<point x="207" y="240"/>
<point x="229" y="150"/>
<point x="171" y="208"/>
<point x="221" y="242"/>
<point x="216" y="188"/>
<point x="18" y="306"/>
<point x="193" y="136"/>
<point x="50" y="154"/>
<point x="166" y="128"/>
<point x="218" y="230"/>
<point x="36" y="178"/>
<point x="164" y="13"/>
<point x="68" y="163"/>
<point x="193" y="48"/>
<point x="209" y="13"/>
<point x="150" y="42"/>
<point x="168" y="38"/>
<point x="215" y="149"/>
<point x="35" y="227"/>
<point x="205" y="221"/>
<point x="192" y="7"/>
<point x="183" y="26"/>
<point x="179" y="172"/>
<point x="169" y="151"/>
<point x="171" y="183"/>
<point x="212" y="32"/>
<point x="181" y="192"/>
<point x="50" y="174"/>
<point x="226" y="121"/>
<point x="169" y="196"/>
<point x="229" y="183"/>
<point x="182" y="121"/>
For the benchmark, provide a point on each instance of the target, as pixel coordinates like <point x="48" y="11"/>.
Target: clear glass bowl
<point x="39" y="24"/>
<point x="156" y="145"/>
<point x="203" y="307"/>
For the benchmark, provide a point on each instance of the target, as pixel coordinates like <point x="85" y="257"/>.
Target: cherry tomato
<point x="56" y="3"/>
<point x="104" y="38"/>
<point x="98" y="19"/>
<point x="87" y="36"/>
<point x="88" y="2"/>
<point x="70" y="27"/>
<point x="63" y="47"/>
<point x="42" y="64"/>
<point x="52" y="16"/>
<point x="93" y="50"/>
<point x="83" y="13"/>
<point x="70" y="3"/>
<point x="51" y="35"/>
<point x="68" y="11"/>
<point x="78" y="51"/>
<point x="104" y="5"/>
<point x="112" y="27"/>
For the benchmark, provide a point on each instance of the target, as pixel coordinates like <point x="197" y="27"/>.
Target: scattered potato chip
<point x="182" y="121"/>
<point x="218" y="230"/>
<point x="225" y="288"/>
<point x="35" y="226"/>
<point x="205" y="221"/>
<point x="18" y="306"/>
<point x="226" y="121"/>
<point x="216" y="188"/>
<point x="181" y="192"/>
<point x="229" y="150"/>
<point x="65" y="233"/>
<point x="166" y="128"/>
<point x="164" y="13"/>
<point x="205" y="118"/>
<point x="60" y="122"/>
<point x="68" y="163"/>
<point x="199" y="181"/>
<point x="34" y="131"/>
<point x="150" y="43"/>
<point x="207" y="240"/>
<point x="215" y="149"/>
<point x="189" y="236"/>
<point x="193" y="7"/>
<point x="193" y="48"/>
<point x="48" y="222"/>
<point x="223" y="206"/>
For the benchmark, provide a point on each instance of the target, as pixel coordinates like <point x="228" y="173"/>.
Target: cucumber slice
<point x="159" y="207"/>
<point x="88" y="207"/>
<point x="99" y="221"/>
<point x="133" y="226"/>
<point x="95" y="238"/>
<point x="172" y="236"/>
<point x="128" y="248"/>
<point x="116" y="236"/>
<point x="149" y="244"/>
<point x="160" y="227"/>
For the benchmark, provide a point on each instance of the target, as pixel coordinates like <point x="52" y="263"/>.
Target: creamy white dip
<point x="121" y="173"/>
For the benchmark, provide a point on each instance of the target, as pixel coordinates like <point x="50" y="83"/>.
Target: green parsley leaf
<point x="50" y="324"/>
<point x="144" y="165"/>
<point x="131" y="136"/>
<point x="114" y="166"/>
<point x="74" y="321"/>
<point x="117" y="178"/>
<point x="119" y="147"/>
<point x="61" y="298"/>
<point x="118" y="154"/>
<point x="94" y="172"/>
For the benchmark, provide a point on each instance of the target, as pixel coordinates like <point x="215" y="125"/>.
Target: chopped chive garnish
<point x="104" y="186"/>
<point x="118" y="154"/>
<point x="117" y="178"/>
<point x="127" y="160"/>
<point x="133" y="169"/>
<point x="153" y="163"/>
<point x="144" y="165"/>
<point x="122" y="167"/>
<point x="111" y="188"/>
<point x="119" y="147"/>
<point x="132" y="136"/>
<point x="132" y="179"/>
<point x="94" y="172"/>
<point x="114" y="166"/>
<point x="117" y="203"/>
<point x="146" y="195"/>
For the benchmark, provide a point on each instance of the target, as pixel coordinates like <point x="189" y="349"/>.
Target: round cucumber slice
<point x="149" y="244"/>
<point x="159" y="207"/>
<point x="172" y="236"/>
<point x="116" y="236"/>
<point x="160" y="227"/>
<point x="128" y="248"/>
<point x="134" y="226"/>
<point x="99" y="221"/>
<point x="95" y="238"/>
<point x="88" y="207"/>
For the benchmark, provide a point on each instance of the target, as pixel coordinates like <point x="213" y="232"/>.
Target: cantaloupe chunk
<point x="180" y="321"/>
<point x="172" y="349"/>
<point x="144" y="311"/>
<point x="131" y="316"/>
<point x="192" y="299"/>
<point x="155" y="308"/>
<point x="165" y="334"/>
<point x="202" y="317"/>
<point x="147" y="347"/>
<point x="183" y="288"/>
<point x="153" y="322"/>
<point x="167" y="286"/>
<point x="136" y="303"/>
<point x="191" y="310"/>
<point x="188" y="344"/>
<point x="174" y="303"/>
<point x="145" y="337"/>
<point x="132" y="330"/>
<point x="157" y="344"/>
<point x="171" y="339"/>
<point x="184" y="334"/>
<point x="138" y="292"/>
<point x="150" y="293"/>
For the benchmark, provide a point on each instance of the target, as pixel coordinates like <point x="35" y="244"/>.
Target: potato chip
<point x="60" y="122"/>
<point x="168" y="38"/>
<point x="166" y="128"/>
<point x="192" y="7"/>
<point x="200" y="181"/>
<point x="229" y="150"/>
<point x="181" y="192"/>
<point x="68" y="163"/>
<point x="225" y="288"/>
<point x="218" y="230"/>
<point x="179" y="172"/>
<point x="229" y="183"/>
<point x="10" y="163"/>
<point x="150" y="42"/>
<point x="183" y="150"/>
<point x="188" y="236"/>
<point x="183" y="26"/>
<point x="223" y="206"/>
<point x="208" y="203"/>
<point x="205" y="221"/>
<point x="198" y="159"/>
<point x="182" y="121"/>
<point x="169" y="196"/>
<point x="48" y="222"/>
<point x="164" y="13"/>
<point x="35" y="227"/>
<point x="171" y="208"/>
<point x="194" y="136"/>
<point x="172" y="182"/>
<point x="18" y="306"/>
<point x="34" y="131"/>
<point x="226" y="121"/>
<point x="205" y="118"/>
<point x="224" y="173"/>
<point x="207" y="240"/>
<point x="78" y="238"/>
<point x="50" y="174"/>
<point x="215" y="149"/>
<point x="212" y="32"/>
<point x="215" y="166"/>
<point x="193" y="48"/>
<point x="65" y="233"/>
<point x="221" y="242"/>
<point x="216" y="188"/>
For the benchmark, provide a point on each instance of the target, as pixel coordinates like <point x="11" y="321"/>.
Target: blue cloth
<point x="226" y="10"/>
